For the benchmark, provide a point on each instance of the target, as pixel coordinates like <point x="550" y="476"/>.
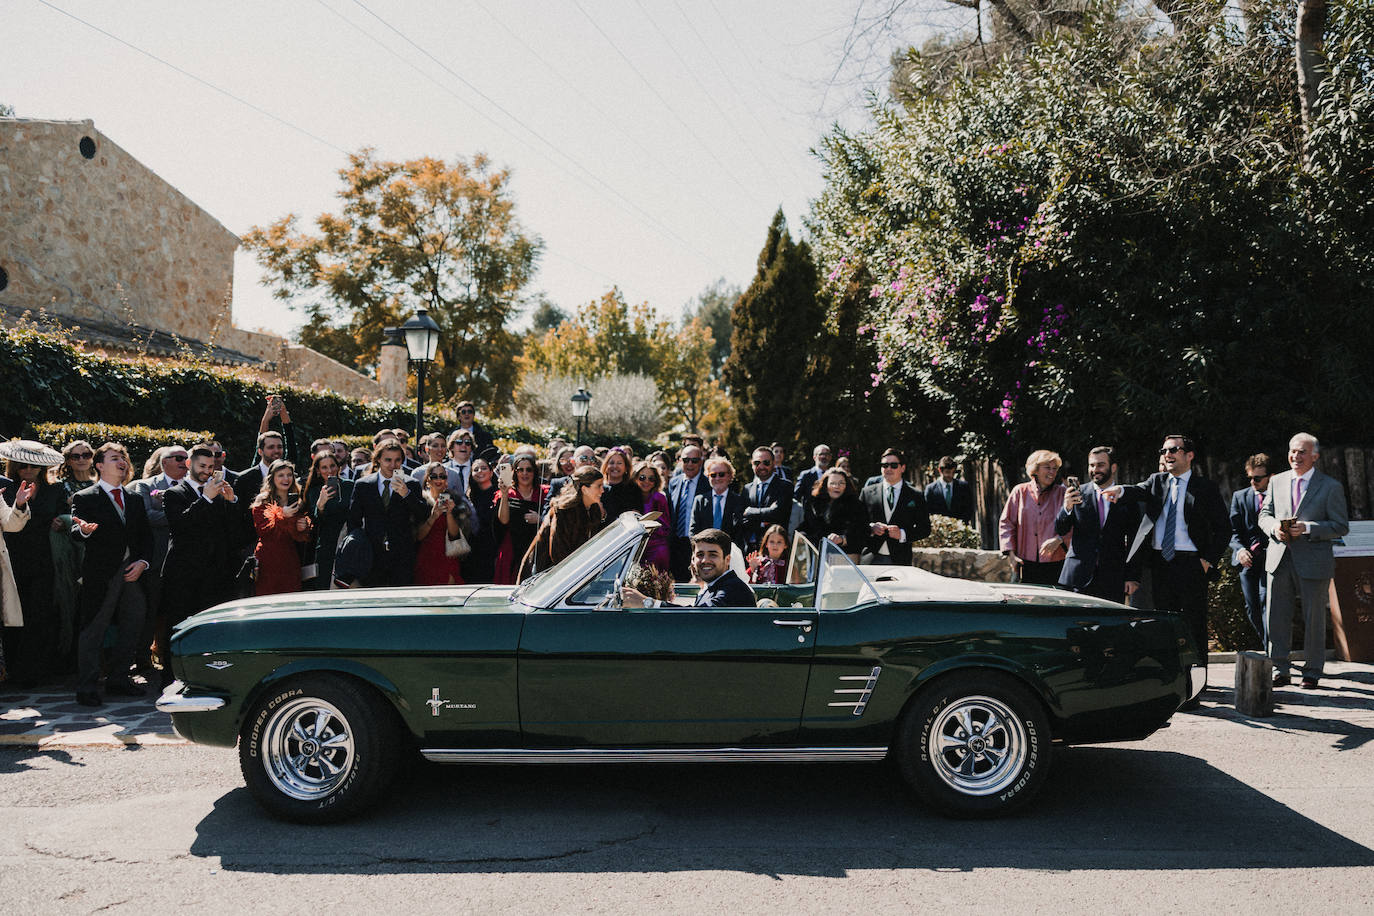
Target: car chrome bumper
<point x="173" y="701"/>
<point x="1197" y="681"/>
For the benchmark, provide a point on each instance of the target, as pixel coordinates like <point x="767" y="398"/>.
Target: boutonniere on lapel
<point x="911" y="504"/>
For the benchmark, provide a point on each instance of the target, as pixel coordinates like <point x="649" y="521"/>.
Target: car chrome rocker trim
<point x="172" y="700"/>
<point x="655" y="755"/>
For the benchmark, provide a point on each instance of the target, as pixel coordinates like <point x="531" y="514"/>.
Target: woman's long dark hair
<point x="571" y="494"/>
<point x="313" y="476"/>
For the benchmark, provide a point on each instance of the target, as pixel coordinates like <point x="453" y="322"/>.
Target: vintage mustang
<point x="966" y="685"/>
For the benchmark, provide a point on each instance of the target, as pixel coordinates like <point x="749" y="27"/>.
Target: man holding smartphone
<point x="387" y="509"/>
<point x="1102" y="532"/>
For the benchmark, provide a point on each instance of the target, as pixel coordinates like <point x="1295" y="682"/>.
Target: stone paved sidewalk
<point x="50" y="717"/>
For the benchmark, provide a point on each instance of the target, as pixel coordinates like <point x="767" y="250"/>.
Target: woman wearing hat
<point x="33" y="648"/>
<point x="11" y="519"/>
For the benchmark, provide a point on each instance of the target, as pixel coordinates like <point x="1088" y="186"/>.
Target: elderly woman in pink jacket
<point x="1027" y="527"/>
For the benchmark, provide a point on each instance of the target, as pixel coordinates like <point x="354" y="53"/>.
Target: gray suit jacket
<point x="1322" y="508"/>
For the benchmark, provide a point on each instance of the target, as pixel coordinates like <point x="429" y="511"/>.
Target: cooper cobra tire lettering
<point x="986" y="759"/>
<point x="321" y="749"/>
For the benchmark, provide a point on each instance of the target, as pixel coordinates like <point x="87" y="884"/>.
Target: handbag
<point x="456" y="548"/>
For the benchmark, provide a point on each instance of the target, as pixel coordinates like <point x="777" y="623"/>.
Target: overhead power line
<point x="582" y="173"/>
<point x="191" y="76"/>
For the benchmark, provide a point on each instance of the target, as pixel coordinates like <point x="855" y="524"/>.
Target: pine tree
<point x="774" y="325"/>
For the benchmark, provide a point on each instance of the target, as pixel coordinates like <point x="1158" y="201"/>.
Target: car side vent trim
<point x="870" y="680"/>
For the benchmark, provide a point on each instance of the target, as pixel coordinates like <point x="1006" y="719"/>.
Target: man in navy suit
<point x="711" y="563"/>
<point x="388" y="510"/>
<point x="806" y="480"/>
<point x="949" y="495"/>
<point x="1102" y="532"/>
<point x="113" y="522"/>
<point x="683" y="490"/>
<point x="719" y="507"/>
<point x="1184" y="518"/>
<point x="768" y="499"/>
<point x="1248" y="540"/>
<point x="897" y="514"/>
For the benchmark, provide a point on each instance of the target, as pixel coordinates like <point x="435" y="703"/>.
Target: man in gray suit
<point x="1304" y="513"/>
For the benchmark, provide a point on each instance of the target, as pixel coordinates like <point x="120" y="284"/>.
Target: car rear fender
<point x="928" y="676"/>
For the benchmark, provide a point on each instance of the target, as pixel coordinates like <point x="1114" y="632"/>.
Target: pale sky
<point x="650" y="140"/>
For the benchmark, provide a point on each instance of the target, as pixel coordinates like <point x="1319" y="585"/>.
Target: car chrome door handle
<point x="805" y="625"/>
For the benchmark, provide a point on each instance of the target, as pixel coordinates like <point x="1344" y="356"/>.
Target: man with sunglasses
<point x="1184" y="519"/>
<point x="683" y="490"/>
<point x="720" y="506"/>
<point x="482" y="443"/>
<point x="1248" y="540"/>
<point x="583" y="456"/>
<point x="897" y="514"/>
<point x="768" y="498"/>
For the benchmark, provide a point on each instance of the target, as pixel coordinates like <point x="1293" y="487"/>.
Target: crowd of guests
<point x="91" y="549"/>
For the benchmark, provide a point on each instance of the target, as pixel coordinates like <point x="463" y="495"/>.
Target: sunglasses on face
<point x="1169" y="450"/>
<point x="467" y="410"/>
<point x="81" y="456"/>
<point x="218" y="454"/>
<point x="524" y="470"/>
<point x="767" y="464"/>
<point x="462" y="443"/>
<point x="890" y="464"/>
<point x="691" y="461"/>
<point x="177" y="458"/>
<point x="643" y="477"/>
<point x="1259" y="477"/>
<point x="438" y="477"/>
<point x="715" y="474"/>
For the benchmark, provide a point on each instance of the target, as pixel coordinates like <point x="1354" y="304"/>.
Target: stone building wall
<point x="87" y="232"/>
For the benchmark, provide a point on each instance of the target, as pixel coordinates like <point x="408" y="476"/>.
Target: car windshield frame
<point x="553" y="586"/>
<point x="838" y="578"/>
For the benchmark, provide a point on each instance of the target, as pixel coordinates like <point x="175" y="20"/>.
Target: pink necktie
<point x="1101" y="511"/>
<point x="1297" y="492"/>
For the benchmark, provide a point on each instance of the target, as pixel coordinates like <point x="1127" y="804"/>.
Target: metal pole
<point x="419" y="401"/>
<point x="577" y="439"/>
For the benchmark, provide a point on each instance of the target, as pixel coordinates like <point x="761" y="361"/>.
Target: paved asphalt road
<point x="1218" y="813"/>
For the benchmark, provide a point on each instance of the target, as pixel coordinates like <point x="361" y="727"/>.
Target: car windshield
<point x="842" y="585"/>
<point x="549" y="586"/>
<point x="801" y="566"/>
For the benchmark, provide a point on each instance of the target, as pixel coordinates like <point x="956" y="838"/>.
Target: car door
<point x="595" y="675"/>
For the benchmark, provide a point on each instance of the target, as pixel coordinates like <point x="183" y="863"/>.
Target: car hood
<point x="362" y="600"/>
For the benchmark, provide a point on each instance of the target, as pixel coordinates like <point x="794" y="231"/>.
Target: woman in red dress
<point x="281" y="525"/>
<point x="433" y="566"/>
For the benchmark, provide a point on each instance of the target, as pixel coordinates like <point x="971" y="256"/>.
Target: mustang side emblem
<point x="219" y="665"/>
<point x="436" y="703"/>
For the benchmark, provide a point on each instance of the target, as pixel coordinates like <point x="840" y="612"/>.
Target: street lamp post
<point x="581" y="403"/>
<point x="422" y="343"/>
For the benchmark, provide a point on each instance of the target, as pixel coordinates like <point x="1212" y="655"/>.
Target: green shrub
<point x="141" y="441"/>
<point x="1227" y="622"/>
<point x="949" y="532"/>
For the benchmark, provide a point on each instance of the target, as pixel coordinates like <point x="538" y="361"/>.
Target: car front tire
<point x="318" y="749"/>
<point x="975" y="744"/>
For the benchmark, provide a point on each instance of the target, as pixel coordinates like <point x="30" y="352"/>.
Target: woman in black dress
<point x="518" y="510"/>
<point x="479" y="567"/>
<point x="836" y="513"/>
<point x="327" y="496"/>
<point x="620" y="494"/>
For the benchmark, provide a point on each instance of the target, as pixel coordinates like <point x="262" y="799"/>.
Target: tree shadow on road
<point x="1289" y="716"/>
<point x="1102" y="808"/>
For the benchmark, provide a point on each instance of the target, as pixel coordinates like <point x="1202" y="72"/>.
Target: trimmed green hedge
<point x="141" y="441"/>
<point x="47" y="379"/>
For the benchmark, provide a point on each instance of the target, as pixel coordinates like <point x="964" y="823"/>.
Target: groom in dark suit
<point x="111" y="519"/>
<point x="1249" y="542"/>
<point x="1102" y="532"/>
<point x="949" y="495"/>
<point x="897" y="515"/>
<point x="387" y="510"/>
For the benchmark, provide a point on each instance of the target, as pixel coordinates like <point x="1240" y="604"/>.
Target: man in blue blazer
<point x="1248" y="540"/>
<point x="683" y="490"/>
<point x="1304" y="513"/>
<point x="1102" y="532"/>
<point x="720" y="507"/>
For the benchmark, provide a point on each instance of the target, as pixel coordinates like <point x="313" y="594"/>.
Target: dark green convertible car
<point x="965" y="685"/>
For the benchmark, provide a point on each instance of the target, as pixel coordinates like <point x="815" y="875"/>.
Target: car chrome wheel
<point x="977" y="746"/>
<point x="308" y="749"/>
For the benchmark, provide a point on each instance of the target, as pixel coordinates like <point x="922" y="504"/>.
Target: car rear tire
<point x="975" y="744"/>
<point x="318" y="748"/>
